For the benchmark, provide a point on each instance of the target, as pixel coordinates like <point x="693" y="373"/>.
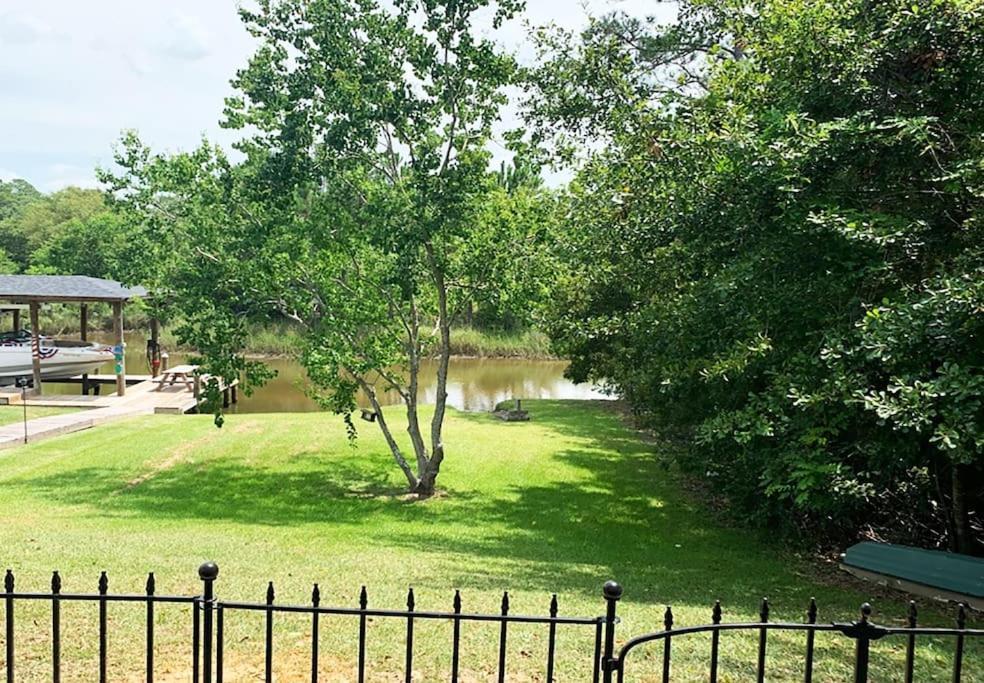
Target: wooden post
<point x="155" y="368"/>
<point x="16" y="319"/>
<point x="83" y="335"/>
<point x="36" y="345"/>
<point x="118" y="340"/>
<point x="198" y="392"/>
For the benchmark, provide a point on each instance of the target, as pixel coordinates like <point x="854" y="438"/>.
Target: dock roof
<point x="22" y="288"/>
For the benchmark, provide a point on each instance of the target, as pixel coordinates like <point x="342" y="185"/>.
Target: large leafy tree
<point x="102" y="245"/>
<point x="32" y="219"/>
<point x="356" y="210"/>
<point x="776" y="251"/>
<point x="15" y="195"/>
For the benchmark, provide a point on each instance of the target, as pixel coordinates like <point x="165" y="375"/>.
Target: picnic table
<point x="183" y="373"/>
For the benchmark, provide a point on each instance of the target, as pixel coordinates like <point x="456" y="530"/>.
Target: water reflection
<point x="475" y="384"/>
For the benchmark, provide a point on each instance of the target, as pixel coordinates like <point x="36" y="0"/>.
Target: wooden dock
<point x="146" y="397"/>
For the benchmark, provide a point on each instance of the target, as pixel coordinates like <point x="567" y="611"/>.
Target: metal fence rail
<point x="208" y="616"/>
<point x="862" y="631"/>
<point x="102" y="598"/>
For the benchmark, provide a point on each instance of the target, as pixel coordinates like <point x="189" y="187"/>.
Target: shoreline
<point x="475" y="345"/>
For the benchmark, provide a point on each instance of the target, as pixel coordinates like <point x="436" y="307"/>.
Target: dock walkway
<point x="147" y="397"/>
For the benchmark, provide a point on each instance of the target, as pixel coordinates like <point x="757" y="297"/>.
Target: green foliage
<point x="101" y="245"/>
<point x="7" y="264"/>
<point x="777" y="253"/>
<point x="14" y="196"/>
<point x="361" y="209"/>
<point x="34" y="219"/>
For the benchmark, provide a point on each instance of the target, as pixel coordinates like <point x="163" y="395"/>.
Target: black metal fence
<point x="607" y="663"/>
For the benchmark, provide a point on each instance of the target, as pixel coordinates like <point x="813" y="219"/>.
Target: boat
<point x="60" y="358"/>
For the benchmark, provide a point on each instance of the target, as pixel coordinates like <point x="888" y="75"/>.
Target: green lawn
<point x="559" y="504"/>
<point x="11" y="414"/>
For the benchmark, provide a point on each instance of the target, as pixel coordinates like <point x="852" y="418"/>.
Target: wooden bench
<point x="929" y="573"/>
<point x="182" y="373"/>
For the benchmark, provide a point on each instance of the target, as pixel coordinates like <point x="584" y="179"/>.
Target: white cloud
<point x="65" y="175"/>
<point x="184" y="37"/>
<point x="24" y="29"/>
<point x="74" y="74"/>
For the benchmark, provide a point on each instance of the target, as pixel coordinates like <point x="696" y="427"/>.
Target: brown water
<point x="475" y="384"/>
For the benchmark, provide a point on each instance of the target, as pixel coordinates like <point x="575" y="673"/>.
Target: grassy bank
<point x="469" y="341"/>
<point x="558" y="504"/>
<point x="284" y="340"/>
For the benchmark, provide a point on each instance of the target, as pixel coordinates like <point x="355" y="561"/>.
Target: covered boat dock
<point x="158" y="393"/>
<point x="35" y="290"/>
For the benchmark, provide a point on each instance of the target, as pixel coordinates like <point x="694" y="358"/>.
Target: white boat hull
<point x="56" y="362"/>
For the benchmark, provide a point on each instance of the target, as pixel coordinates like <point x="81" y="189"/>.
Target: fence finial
<point x="55" y="583"/>
<point x="716" y="612"/>
<point x="553" y="606"/>
<point x="410" y="600"/>
<point x="270" y="593"/>
<point x="151" y="584"/>
<point x="8" y="581"/>
<point x="865" y="612"/>
<point x="612" y="590"/>
<point x="103" y="583"/>
<point x="208" y="571"/>
<point x="505" y="603"/>
<point x="315" y="595"/>
<point x="811" y="612"/>
<point x="363" y="598"/>
<point x="961" y="615"/>
<point x="912" y="614"/>
<point x="668" y="618"/>
<point x="457" y="601"/>
<point x="764" y="611"/>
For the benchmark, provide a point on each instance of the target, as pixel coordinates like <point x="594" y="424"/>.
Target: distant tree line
<point x="775" y="252"/>
<point x="72" y="231"/>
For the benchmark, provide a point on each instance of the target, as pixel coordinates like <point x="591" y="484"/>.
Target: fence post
<point x="864" y="645"/>
<point x="207" y="573"/>
<point x="8" y="587"/>
<point x="613" y="593"/>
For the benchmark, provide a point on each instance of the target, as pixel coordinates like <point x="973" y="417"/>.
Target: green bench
<point x="930" y="573"/>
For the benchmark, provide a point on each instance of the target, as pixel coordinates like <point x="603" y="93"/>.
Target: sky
<point x="74" y="75"/>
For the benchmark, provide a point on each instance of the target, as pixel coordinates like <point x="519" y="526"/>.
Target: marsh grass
<point x="558" y="504"/>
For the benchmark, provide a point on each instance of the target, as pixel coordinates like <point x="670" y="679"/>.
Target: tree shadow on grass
<point x="623" y="518"/>
<point x="626" y="519"/>
<point x="346" y="491"/>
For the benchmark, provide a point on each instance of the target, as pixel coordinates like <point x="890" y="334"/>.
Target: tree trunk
<point x="427" y="480"/>
<point x="388" y="435"/>
<point x="443" y="361"/>
<point x="413" y="422"/>
<point x="963" y="537"/>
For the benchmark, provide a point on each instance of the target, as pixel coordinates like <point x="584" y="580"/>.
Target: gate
<point x="862" y="631"/>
